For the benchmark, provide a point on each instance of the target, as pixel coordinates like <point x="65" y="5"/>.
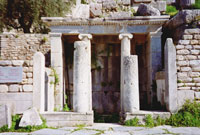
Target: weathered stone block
<point x="192" y="31"/>
<point x="81" y="11"/>
<point x="30" y="118"/>
<point x="17" y="62"/>
<point x="180" y="57"/>
<point x="120" y="15"/>
<point x="178" y="47"/>
<point x="182" y="63"/>
<point x="186" y="69"/>
<point x="3" y="88"/>
<point x="194" y="74"/>
<point x="184" y="42"/>
<point x="188" y="47"/>
<point x="197" y="69"/>
<point x="95" y="10"/>
<point x="194" y="42"/>
<point x="196" y="36"/>
<point x="196" y="80"/>
<point x="14" y="88"/>
<point x="195" y="52"/>
<point x="187" y="37"/>
<point x="197" y="47"/>
<point x="184" y="52"/>
<point x="191" y="57"/>
<point x="5" y="117"/>
<point x="29" y="75"/>
<point x="197" y="95"/>
<point x="109" y="4"/>
<point x="5" y="63"/>
<point x="147" y="10"/>
<point x="28" y="88"/>
<point x="160" y="5"/>
<point x="182" y="75"/>
<point x="30" y="81"/>
<point x="194" y="63"/>
<point x="183" y="95"/>
<point x="126" y="2"/>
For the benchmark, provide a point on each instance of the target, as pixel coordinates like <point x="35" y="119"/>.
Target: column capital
<point x="85" y="36"/>
<point x="123" y="35"/>
<point x="55" y="35"/>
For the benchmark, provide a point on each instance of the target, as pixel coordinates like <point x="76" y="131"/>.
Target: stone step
<point x="142" y="114"/>
<point x="62" y="119"/>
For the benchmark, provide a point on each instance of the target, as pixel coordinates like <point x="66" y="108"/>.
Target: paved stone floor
<point x="114" y="129"/>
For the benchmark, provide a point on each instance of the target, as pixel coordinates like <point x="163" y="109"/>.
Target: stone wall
<point x="17" y="50"/>
<point x="115" y="8"/>
<point x="188" y="65"/>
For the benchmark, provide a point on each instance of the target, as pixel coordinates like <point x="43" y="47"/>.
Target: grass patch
<point x="196" y="5"/>
<point x="187" y="116"/>
<point x="171" y="10"/>
<point x="15" y="126"/>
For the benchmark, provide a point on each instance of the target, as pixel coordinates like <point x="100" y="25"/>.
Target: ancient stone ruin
<point x="124" y="57"/>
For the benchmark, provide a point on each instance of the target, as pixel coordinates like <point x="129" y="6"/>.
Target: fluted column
<point x="125" y="51"/>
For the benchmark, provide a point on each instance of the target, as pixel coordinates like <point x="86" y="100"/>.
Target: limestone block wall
<point x="17" y="50"/>
<point x="188" y="65"/>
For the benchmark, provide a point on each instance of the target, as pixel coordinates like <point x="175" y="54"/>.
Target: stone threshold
<point x="142" y="114"/>
<point x="62" y="119"/>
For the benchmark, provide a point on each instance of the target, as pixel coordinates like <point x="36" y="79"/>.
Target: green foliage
<point x="56" y="78"/>
<point x="149" y="122"/>
<point x="179" y="81"/>
<point x="171" y="10"/>
<point x="188" y="115"/>
<point x="26" y="14"/>
<point x="196" y="5"/>
<point x="132" y="122"/>
<point x="15" y="126"/>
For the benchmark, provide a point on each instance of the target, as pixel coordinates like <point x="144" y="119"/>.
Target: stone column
<point x="38" y="81"/>
<point x="57" y="64"/>
<point x="170" y="76"/>
<point x="125" y="51"/>
<point x="80" y="77"/>
<point x="87" y="38"/>
<point x="131" y="84"/>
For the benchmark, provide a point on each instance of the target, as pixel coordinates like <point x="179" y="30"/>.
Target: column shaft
<point x="87" y="38"/>
<point x="80" y="76"/>
<point x="125" y="51"/>
<point x="131" y="84"/>
<point x="38" y="81"/>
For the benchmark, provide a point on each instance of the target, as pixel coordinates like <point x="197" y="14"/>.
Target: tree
<point x="26" y="14"/>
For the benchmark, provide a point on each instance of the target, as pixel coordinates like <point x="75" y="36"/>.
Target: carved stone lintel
<point x="121" y="36"/>
<point x="85" y="36"/>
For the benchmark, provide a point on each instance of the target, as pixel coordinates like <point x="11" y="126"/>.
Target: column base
<point x="63" y="119"/>
<point x="141" y="115"/>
